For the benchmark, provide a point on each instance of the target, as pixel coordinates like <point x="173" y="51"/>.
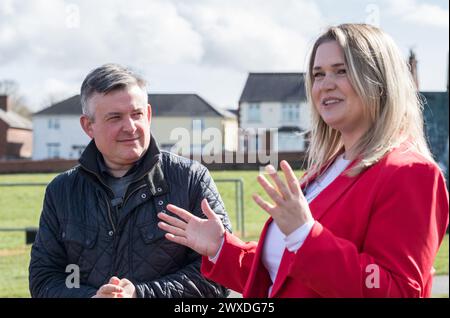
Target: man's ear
<point x="149" y="113"/>
<point x="86" y="124"/>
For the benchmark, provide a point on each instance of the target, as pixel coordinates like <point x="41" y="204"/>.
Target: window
<point x="198" y="125"/>
<point x="254" y="113"/>
<point x="53" y="150"/>
<point x="290" y="113"/>
<point x="78" y="150"/>
<point x="290" y="142"/>
<point x="53" y="123"/>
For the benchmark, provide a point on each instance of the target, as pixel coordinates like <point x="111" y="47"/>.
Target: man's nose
<point x="129" y="125"/>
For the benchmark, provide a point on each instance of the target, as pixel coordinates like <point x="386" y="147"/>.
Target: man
<point x="99" y="227"/>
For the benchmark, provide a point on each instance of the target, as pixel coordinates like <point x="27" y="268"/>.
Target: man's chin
<point x="132" y="156"/>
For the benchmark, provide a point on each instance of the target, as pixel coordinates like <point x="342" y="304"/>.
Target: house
<point x="183" y="123"/>
<point x="273" y="102"/>
<point x="57" y="131"/>
<point x="205" y="129"/>
<point x="16" y="133"/>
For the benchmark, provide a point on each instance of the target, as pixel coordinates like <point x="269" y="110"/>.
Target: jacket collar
<point x="149" y="164"/>
<point x="333" y="191"/>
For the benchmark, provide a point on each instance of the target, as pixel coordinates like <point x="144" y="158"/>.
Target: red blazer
<point x="375" y="235"/>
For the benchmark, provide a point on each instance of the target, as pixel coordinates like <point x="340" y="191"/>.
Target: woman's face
<point x="333" y="95"/>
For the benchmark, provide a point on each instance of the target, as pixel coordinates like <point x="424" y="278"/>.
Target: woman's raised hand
<point x="290" y="209"/>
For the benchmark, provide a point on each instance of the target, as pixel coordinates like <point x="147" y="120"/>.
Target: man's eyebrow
<point x="112" y="114"/>
<point x="334" y="65"/>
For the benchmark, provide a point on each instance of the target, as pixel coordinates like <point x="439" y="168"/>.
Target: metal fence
<point x="30" y="232"/>
<point x="239" y="199"/>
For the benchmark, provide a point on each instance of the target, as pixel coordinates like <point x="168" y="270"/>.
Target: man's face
<point x="120" y="126"/>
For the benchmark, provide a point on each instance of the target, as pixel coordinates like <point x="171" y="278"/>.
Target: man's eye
<point x="113" y="118"/>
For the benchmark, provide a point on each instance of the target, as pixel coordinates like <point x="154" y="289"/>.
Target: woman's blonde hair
<point x="382" y="79"/>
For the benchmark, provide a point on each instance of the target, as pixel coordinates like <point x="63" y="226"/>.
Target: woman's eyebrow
<point x="333" y="65"/>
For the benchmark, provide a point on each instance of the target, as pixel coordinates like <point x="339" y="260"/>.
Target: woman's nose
<point x="328" y="82"/>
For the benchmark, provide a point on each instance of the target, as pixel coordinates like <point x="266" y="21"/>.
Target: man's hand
<point x="202" y="235"/>
<point x="116" y="288"/>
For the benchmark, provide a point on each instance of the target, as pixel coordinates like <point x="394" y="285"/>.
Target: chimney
<point x="413" y="67"/>
<point x="4" y="103"/>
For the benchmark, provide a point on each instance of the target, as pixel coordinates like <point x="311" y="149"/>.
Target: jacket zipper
<point x="112" y="272"/>
<point x="107" y="201"/>
<point x="110" y="216"/>
<point x="132" y="192"/>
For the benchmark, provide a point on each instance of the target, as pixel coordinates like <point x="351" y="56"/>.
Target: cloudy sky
<point x="201" y="46"/>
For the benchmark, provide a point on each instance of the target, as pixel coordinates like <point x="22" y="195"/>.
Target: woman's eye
<point x="317" y="75"/>
<point x="342" y="71"/>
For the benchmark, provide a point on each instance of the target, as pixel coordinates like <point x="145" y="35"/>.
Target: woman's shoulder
<point x="407" y="158"/>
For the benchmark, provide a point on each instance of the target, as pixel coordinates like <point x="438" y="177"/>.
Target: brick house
<point x="16" y="133"/>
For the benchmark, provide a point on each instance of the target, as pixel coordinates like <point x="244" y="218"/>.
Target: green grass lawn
<point x="21" y="206"/>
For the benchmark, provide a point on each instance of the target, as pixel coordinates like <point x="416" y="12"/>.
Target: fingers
<point x="112" y="295"/>
<point x="172" y="229"/>
<point x="210" y="214"/>
<point x="284" y="190"/>
<point x="291" y="178"/>
<point x="263" y="204"/>
<point x="108" y="290"/>
<point x="114" y="280"/>
<point x="125" y="282"/>
<point x="177" y="239"/>
<point x="270" y="190"/>
<point x="172" y="220"/>
<point x="185" y="215"/>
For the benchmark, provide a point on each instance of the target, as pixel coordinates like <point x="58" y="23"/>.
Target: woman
<point x="369" y="216"/>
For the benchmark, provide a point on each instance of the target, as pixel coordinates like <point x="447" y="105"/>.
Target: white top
<point x="320" y="183"/>
<point x="276" y="242"/>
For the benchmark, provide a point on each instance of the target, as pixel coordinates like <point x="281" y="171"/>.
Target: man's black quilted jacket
<point x="79" y="226"/>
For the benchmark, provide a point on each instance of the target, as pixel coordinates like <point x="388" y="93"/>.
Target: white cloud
<point x="425" y="14"/>
<point x="202" y="46"/>
<point x="249" y="35"/>
<point x="429" y="15"/>
<point x="136" y="31"/>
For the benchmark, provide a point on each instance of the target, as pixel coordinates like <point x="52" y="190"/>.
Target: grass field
<point x="21" y="206"/>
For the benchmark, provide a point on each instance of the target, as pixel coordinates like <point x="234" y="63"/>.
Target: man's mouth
<point x="128" y="139"/>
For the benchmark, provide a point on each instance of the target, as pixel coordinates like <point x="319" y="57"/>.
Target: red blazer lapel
<point x="259" y="281"/>
<point x="331" y="193"/>
<point x="282" y="271"/>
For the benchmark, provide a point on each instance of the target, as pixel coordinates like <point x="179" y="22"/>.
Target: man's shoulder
<point x="178" y="162"/>
<point x="65" y="178"/>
